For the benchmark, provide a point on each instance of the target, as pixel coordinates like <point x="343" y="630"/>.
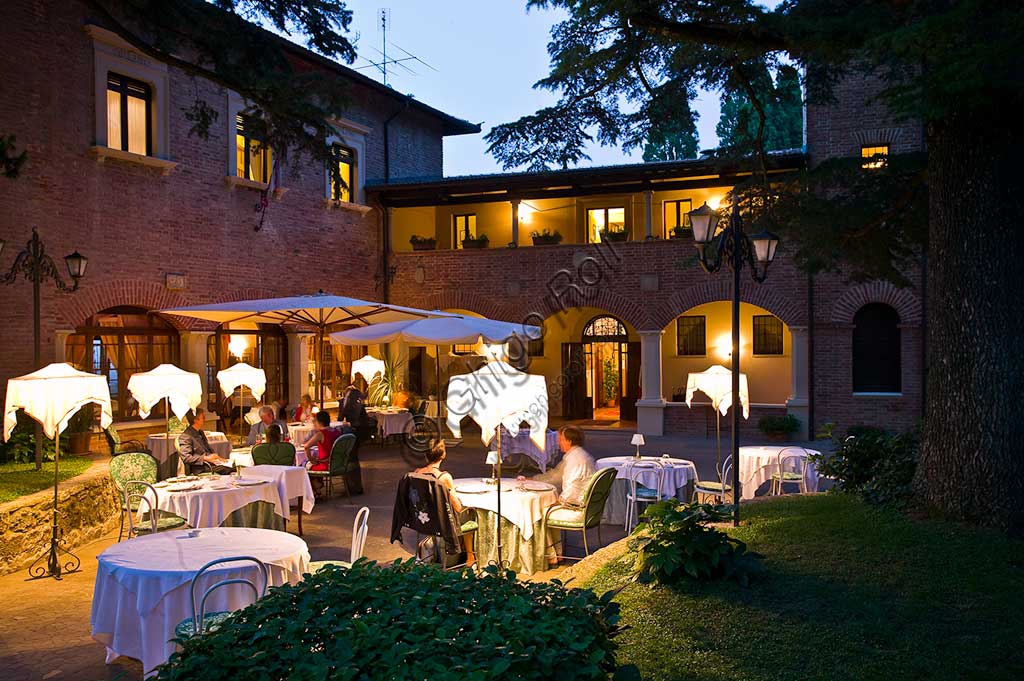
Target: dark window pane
<point x="767" y="335"/>
<point x="691" y="335"/>
<point x="876" y="349"/>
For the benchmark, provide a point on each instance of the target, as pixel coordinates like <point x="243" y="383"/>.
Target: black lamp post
<point x="37" y="266"/>
<point x="737" y="249"/>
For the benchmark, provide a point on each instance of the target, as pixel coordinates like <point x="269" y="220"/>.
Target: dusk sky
<point x="488" y="55"/>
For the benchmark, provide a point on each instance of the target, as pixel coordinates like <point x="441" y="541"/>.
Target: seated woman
<point x="435" y="456"/>
<point x="323" y="438"/>
<point x="304" y="412"/>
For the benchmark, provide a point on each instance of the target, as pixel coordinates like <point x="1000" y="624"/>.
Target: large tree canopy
<point x="783" y="108"/>
<point x="952" y="64"/>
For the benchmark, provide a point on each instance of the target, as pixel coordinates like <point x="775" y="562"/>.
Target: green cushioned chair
<point x="279" y="454"/>
<point x="124" y="468"/>
<point x="359" y="530"/>
<point x="117" y="446"/>
<point x="718" y="489"/>
<point x="201" y="620"/>
<point x="586" y="516"/>
<point x="340" y="462"/>
<point x="153" y="520"/>
<point x="470" y="526"/>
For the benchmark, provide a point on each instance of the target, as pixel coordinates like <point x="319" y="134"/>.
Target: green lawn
<point x="19" y="479"/>
<point x="851" y="593"/>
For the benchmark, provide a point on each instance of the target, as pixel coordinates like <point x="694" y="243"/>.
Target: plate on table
<point x="183" y="487"/>
<point x="161" y="485"/>
<point x="219" y="486"/>
<point x="529" y="486"/>
<point x="248" y="482"/>
<point x="473" y="488"/>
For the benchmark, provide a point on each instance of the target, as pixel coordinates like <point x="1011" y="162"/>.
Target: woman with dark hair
<point x="323" y="438"/>
<point x="274" y="434"/>
<point x="435" y="456"/>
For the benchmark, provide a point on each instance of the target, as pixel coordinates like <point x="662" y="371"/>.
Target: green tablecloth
<point x="524" y="556"/>
<point x="256" y="514"/>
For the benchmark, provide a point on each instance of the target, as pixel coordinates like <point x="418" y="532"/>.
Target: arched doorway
<point x="121" y="341"/>
<point x="602" y="373"/>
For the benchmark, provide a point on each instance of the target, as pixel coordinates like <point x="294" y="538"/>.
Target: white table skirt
<point x="678" y="472"/>
<point x="208" y="507"/>
<point x="391" y="422"/>
<point x="520" y="443"/>
<point x="758" y="463"/>
<point x="521" y="508"/>
<point x="142" y="589"/>
<point x="292" y="482"/>
<point x="162" y="444"/>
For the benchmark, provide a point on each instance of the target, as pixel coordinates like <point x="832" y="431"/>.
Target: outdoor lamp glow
<point x="765" y="245"/>
<point x="2" y="244"/>
<point x="704" y="220"/>
<point x="76" y="263"/>
<point x="638" y="439"/>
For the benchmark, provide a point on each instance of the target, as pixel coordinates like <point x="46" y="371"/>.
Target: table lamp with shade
<point x="638" y="440"/>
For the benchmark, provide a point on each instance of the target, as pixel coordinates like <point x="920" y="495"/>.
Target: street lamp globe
<point x="76" y="263"/>
<point x="765" y="245"/>
<point x="704" y="220"/>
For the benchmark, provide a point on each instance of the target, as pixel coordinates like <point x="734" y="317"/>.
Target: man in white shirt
<point x="267" y="418"/>
<point x="575" y="470"/>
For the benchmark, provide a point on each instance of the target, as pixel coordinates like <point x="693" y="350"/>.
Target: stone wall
<point x="88" y="507"/>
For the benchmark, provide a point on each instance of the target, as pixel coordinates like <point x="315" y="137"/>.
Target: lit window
<point x="604" y="219"/>
<point x="876" y="349"/>
<point x="677" y="214"/>
<point x="691" y="336"/>
<point x="463" y="349"/>
<point x="129" y="115"/>
<point x="463" y="227"/>
<point x="255" y="158"/>
<point x="878" y="155"/>
<point x="767" y="335"/>
<point x="345" y="160"/>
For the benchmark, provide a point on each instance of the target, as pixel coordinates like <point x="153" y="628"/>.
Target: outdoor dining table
<point x="677" y="483"/>
<point x="142" y="589"/>
<point x="522" y="510"/>
<point x="520" y="443"/>
<point x="390" y="421"/>
<point x="299" y="432"/>
<point x="224" y="501"/>
<point x="757" y="464"/>
<point x="163" y="447"/>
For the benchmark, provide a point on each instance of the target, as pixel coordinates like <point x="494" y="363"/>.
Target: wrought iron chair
<point x="119" y="446"/>
<point x="279" y="454"/>
<point x="718" y="489"/>
<point x="432" y="537"/>
<point x="639" y="494"/>
<point x="210" y="621"/>
<point x="340" y="463"/>
<point x="138" y="493"/>
<point x="129" y="467"/>
<point x="791" y="469"/>
<point x="359" y="531"/>
<point x="568" y="518"/>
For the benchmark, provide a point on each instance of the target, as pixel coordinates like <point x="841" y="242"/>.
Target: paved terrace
<point x="45" y="633"/>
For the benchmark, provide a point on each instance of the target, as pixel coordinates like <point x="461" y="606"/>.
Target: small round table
<point x="758" y="463"/>
<point x="678" y="483"/>
<point x="143" y="585"/>
<point x="219" y="500"/>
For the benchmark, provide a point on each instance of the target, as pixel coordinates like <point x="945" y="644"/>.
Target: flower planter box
<point x="474" y="244"/>
<point x="615" y="236"/>
<point x="424" y="246"/>
<point x="777" y="437"/>
<point x="546" y="241"/>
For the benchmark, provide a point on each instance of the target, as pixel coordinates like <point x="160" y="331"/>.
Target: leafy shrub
<point x="21" y="448"/>
<point x="408" y="621"/>
<point x="877" y="465"/>
<point x="780" y="425"/>
<point x="674" y="542"/>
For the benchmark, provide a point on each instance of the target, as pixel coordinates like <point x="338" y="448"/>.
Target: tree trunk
<point x="972" y="454"/>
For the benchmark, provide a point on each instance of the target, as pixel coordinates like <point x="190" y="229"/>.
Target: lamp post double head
<point x="733" y="247"/>
<point x="36" y="266"/>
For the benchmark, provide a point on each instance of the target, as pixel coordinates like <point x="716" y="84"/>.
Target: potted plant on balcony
<point x="80" y="430"/>
<point x="779" y="428"/>
<point x="679" y="395"/>
<point x="680" y="232"/>
<point x="479" y="241"/>
<point x="614" y="235"/>
<point x="422" y="243"/>
<point x="546" y="237"/>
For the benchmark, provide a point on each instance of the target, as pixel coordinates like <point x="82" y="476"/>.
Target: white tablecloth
<point x="521" y="508"/>
<point x="520" y="443"/>
<point x="209" y="506"/>
<point x="758" y="463"/>
<point x="142" y="586"/>
<point x="292" y="482"/>
<point x="162" y="444"/>
<point x="298" y="433"/>
<point x="678" y="472"/>
<point x="391" y="422"/>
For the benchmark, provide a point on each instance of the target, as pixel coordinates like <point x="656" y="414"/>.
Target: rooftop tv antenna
<point x="383" y="23"/>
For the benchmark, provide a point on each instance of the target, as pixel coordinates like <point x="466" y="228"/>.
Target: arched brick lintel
<point x="906" y="304"/>
<point x="791" y="312"/>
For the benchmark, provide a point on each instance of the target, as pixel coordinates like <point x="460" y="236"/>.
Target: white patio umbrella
<point x="182" y="389"/>
<point x="51" y="396"/>
<point x="242" y="375"/>
<point x="320" y="310"/>
<point x="448" y="330"/>
<point x="367" y="366"/>
<point x="716" y="383"/>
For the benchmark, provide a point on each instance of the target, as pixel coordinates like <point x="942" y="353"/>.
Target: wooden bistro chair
<point x="154" y="520"/>
<point x="360" y="528"/>
<point x="340" y="463"/>
<point x="581" y="518"/>
<point x="201" y="620"/>
<point x="791" y="469"/>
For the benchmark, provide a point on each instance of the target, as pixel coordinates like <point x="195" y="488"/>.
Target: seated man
<point x="195" y="450"/>
<point x="268" y="417"/>
<point x="574" y="471"/>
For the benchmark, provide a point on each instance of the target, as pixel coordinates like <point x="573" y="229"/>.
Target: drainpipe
<point x="385" y="241"/>
<point x="810" y="357"/>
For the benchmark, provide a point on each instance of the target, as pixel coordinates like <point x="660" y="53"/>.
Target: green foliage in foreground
<point x="19" y="479"/>
<point x="405" y="621"/>
<point x="873" y="463"/>
<point x="674" y="542"/>
<point x="851" y="592"/>
<point x="21" y="448"/>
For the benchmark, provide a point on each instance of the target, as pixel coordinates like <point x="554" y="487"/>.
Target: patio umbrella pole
<point x="55" y="566"/>
<point x="319" y="366"/>
<point x="500" y="563"/>
<point x="437" y="389"/>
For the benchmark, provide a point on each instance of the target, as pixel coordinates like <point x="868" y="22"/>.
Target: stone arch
<point x="906" y="304"/>
<point x="789" y="311"/>
<point x="465" y="300"/>
<point x="95" y="297"/>
<point x="629" y="311"/>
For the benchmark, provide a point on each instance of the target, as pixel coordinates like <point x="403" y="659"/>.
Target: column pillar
<point x="650" y="408"/>
<point x="60" y="345"/>
<point x="298" y="366"/>
<point x="798" y="401"/>
<point x="193" y="357"/>
<point x="515" y="224"/>
<point x="649" y="214"/>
